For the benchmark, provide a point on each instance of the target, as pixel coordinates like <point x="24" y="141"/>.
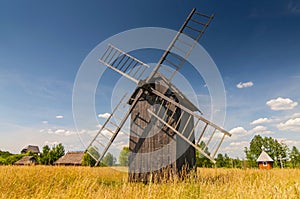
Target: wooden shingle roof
<point x="170" y="88"/>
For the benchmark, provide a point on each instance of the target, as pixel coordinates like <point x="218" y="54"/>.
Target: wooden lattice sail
<point x="162" y="120"/>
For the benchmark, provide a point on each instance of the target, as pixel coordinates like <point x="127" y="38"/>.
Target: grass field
<point x="86" y="182"/>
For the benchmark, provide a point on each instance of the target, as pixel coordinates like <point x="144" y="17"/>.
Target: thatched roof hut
<point x="34" y="149"/>
<point x="27" y="160"/>
<point x="70" y="158"/>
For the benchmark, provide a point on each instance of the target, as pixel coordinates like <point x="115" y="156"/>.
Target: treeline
<point x="108" y="160"/>
<point x="6" y="158"/>
<point x="282" y="155"/>
<point x="279" y="152"/>
<point x="201" y="161"/>
<point x="222" y="161"/>
<point x="47" y="157"/>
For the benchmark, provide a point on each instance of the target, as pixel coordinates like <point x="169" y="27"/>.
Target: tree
<point x="224" y="161"/>
<point x="237" y="163"/>
<point x="4" y="155"/>
<point x="275" y="150"/>
<point x="220" y="160"/>
<point x="93" y="151"/>
<point x="108" y="160"/>
<point x="201" y="160"/>
<point x="295" y="157"/>
<point x="272" y="147"/>
<point x="49" y="156"/>
<point x="88" y="160"/>
<point x="13" y="158"/>
<point x="123" y="157"/>
<point x="7" y="158"/>
<point x="45" y="155"/>
<point x="56" y="152"/>
<point x="254" y="151"/>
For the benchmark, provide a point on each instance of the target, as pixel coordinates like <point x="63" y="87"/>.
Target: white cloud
<point x="261" y="130"/>
<point x="59" y="117"/>
<point x="289" y="142"/>
<point x="267" y="132"/>
<point x="236" y="148"/>
<point x="290" y="125"/>
<point x="59" y="131"/>
<point x="237" y="144"/>
<point x="47" y="131"/>
<point x="292" y="142"/>
<point x="45" y="122"/>
<point x="63" y="132"/>
<point x="244" y="84"/>
<point x="51" y="143"/>
<point x="275" y="120"/>
<point x="261" y="121"/>
<point x="104" y="115"/>
<point x="238" y="131"/>
<point x="120" y="145"/>
<point x="258" y="129"/>
<point x="89" y="132"/>
<point x="295" y="115"/>
<point x="281" y="104"/>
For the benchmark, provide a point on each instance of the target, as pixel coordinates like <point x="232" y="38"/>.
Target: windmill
<point x="162" y="118"/>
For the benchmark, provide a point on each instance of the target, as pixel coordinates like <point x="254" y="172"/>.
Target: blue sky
<point x="255" y="45"/>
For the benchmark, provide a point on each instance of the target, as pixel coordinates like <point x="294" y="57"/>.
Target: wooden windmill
<point x="162" y="119"/>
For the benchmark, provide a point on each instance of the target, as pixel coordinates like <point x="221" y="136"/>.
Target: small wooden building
<point x="27" y="160"/>
<point x="156" y="152"/>
<point x="33" y="149"/>
<point x="265" y="161"/>
<point x="71" y="159"/>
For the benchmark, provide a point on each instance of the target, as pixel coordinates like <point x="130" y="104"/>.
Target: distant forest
<point x="282" y="155"/>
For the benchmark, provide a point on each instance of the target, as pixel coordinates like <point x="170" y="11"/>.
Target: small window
<point x="265" y="164"/>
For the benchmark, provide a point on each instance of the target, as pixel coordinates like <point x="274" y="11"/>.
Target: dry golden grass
<point x="85" y="182"/>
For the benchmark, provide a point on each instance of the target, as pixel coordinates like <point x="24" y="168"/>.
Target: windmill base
<point x="163" y="175"/>
<point x="180" y="169"/>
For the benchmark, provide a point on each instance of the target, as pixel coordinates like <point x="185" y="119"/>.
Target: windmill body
<point x="154" y="148"/>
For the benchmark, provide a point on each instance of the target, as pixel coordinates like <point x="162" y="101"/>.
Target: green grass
<point x="86" y="182"/>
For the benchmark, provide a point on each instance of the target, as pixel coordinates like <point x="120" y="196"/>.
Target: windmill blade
<point x="131" y="68"/>
<point x="180" y="48"/>
<point x="210" y="137"/>
<point x="110" y="129"/>
<point x="175" y="56"/>
<point x="180" y="118"/>
<point x="123" y="63"/>
<point x="181" y="135"/>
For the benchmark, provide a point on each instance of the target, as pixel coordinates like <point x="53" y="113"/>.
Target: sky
<point x="255" y="45"/>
